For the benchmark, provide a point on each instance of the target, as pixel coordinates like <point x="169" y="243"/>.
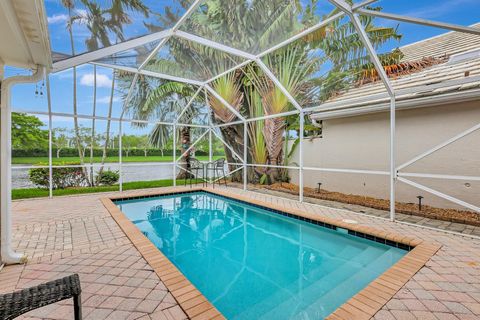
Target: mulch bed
<point x="451" y="215"/>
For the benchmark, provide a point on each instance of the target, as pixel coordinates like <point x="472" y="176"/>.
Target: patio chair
<point x="19" y="302"/>
<point x="195" y="167"/>
<point x="217" y="167"/>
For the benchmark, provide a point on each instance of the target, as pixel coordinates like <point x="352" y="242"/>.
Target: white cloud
<point x="57" y="18"/>
<point x="82" y="16"/>
<point x="106" y="99"/>
<point x="103" y="81"/>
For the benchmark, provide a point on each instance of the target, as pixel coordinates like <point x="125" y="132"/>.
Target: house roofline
<point x="424" y="102"/>
<point x="477" y="24"/>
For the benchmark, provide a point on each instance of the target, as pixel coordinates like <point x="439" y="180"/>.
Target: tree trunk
<point x="107" y="132"/>
<point x="92" y="138"/>
<point x="58" y="153"/>
<point x="273" y="131"/>
<point x="75" y="111"/>
<point x="185" y="160"/>
<point x="233" y="135"/>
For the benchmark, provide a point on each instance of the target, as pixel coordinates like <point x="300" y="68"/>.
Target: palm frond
<point x="229" y="88"/>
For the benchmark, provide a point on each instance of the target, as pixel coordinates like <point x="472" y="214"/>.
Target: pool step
<point x="365" y="276"/>
<point x="326" y="295"/>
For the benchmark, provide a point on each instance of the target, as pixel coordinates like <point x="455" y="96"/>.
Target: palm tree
<point x="101" y="24"/>
<point x="94" y="112"/>
<point x="293" y="69"/>
<point x="162" y="101"/>
<point x="253" y="26"/>
<point x="70" y="6"/>
<point x="258" y="147"/>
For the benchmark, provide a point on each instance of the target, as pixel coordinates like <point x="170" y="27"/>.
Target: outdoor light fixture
<point x="419" y="203"/>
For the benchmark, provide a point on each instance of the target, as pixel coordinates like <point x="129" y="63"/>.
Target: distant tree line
<point x="29" y="139"/>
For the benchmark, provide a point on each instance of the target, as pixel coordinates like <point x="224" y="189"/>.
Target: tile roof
<point x="460" y="74"/>
<point x="445" y="44"/>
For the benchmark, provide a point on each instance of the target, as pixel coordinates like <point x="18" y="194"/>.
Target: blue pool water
<point x="255" y="264"/>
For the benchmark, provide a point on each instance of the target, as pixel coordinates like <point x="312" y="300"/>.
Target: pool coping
<point x="363" y="305"/>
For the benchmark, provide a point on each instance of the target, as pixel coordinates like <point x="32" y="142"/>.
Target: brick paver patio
<point x="68" y="235"/>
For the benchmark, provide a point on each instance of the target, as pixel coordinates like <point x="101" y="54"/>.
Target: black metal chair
<point x="195" y="167"/>
<point x="17" y="303"/>
<point x="217" y="167"/>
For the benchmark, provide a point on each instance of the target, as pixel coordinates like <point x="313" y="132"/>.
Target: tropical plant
<point x="163" y="101"/>
<point x="258" y="147"/>
<point x="292" y="68"/>
<point x="230" y="89"/>
<point x="254" y="26"/>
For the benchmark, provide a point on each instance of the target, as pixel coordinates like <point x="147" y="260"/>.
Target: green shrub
<point x="61" y="177"/>
<point x="107" y="178"/>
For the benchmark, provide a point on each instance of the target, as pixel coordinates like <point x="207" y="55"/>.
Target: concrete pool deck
<point x="78" y="235"/>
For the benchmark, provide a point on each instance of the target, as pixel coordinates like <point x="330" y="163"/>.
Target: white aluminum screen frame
<point x="351" y="12"/>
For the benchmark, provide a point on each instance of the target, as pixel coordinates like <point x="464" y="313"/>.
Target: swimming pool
<point x="252" y="263"/>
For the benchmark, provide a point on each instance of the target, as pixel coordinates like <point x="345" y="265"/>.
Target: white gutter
<point x="428" y="101"/>
<point x="7" y="255"/>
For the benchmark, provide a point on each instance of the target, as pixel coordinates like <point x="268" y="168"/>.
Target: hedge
<point x="73" y="152"/>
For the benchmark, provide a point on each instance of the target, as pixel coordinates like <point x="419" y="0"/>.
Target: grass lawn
<point x="40" y="192"/>
<point x="56" y="161"/>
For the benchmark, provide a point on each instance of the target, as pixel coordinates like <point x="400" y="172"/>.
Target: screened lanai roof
<point x="197" y="42"/>
<point x="294" y="54"/>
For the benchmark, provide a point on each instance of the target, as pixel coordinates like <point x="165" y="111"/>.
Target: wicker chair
<point x="16" y="303"/>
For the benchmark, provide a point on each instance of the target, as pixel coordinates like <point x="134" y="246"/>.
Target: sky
<point x="462" y="12"/>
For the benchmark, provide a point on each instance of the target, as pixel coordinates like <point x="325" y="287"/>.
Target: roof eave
<point x="423" y="102"/>
<point x="25" y="27"/>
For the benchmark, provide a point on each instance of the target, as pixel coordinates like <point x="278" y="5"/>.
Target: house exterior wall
<point x="362" y="142"/>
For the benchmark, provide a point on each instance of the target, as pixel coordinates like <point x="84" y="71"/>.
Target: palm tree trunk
<point x="184" y="145"/>
<point x="107" y="133"/>
<point x="233" y="135"/>
<point x="75" y="111"/>
<point x="92" y="140"/>
<point x="274" y="129"/>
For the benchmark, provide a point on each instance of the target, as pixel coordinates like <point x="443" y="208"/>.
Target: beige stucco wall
<point x="362" y="142"/>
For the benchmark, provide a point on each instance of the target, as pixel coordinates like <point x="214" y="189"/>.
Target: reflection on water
<point x="254" y="264"/>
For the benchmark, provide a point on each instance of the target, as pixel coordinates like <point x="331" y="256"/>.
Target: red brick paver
<point x="77" y="234"/>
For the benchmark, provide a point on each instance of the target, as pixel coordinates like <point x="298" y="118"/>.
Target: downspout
<point x="7" y="255"/>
